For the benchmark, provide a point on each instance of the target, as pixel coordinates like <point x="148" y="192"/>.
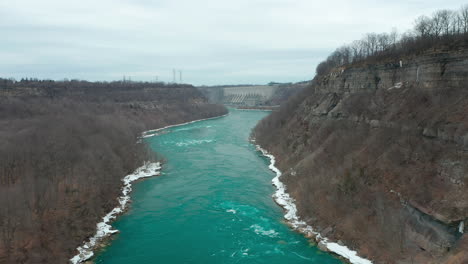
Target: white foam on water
<point x="103" y="228"/>
<point x="291" y="215"/>
<point x="259" y="230"/>
<point x="193" y="142"/>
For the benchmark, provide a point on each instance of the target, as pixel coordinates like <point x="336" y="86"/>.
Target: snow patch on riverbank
<point x="254" y="109"/>
<point x="288" y="203"/>
<point x="153" y="132"/>
<point x="104" y="229"/>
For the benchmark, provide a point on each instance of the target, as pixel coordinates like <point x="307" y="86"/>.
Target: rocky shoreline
<point x="260" y="108"/>
<point x="375" y="156"/>
<point x="283" y="199"/>
<point x="104" y="229"/>
<point x="105" y="232"/>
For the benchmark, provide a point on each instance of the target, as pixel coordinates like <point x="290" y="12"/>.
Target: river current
<point x="211" y="204"/>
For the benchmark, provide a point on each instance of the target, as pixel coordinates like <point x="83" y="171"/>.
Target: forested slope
<point x="64" y="147"/>
<point x="375" y="151"/>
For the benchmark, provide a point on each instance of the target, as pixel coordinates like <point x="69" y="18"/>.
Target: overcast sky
<point x="211" y="41"/>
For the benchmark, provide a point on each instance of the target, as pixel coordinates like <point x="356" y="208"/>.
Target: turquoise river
<point x="211" y="204"/>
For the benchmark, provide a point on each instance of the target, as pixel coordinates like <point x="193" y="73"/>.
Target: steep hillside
<point x="285" y="91"/>
<point x="376" y="154"/>
<point x="64" y="148"/>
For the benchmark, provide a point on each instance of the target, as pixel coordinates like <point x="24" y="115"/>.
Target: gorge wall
<point x="376" y="155"/>
<point x="64" y="148"/>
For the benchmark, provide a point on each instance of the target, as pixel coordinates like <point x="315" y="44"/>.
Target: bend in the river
<point x="212" y="203"/>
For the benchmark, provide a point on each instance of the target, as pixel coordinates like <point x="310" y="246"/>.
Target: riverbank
<point x="283" y="199"/>
<point x="64" y="155"/>
<point x="213" y="204"/>
<point x="104" y="229"/>
<point x="152" y="133"/>
<point x="262" y="108"/>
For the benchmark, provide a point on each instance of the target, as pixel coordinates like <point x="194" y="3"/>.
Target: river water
<point x="212" y="203"/>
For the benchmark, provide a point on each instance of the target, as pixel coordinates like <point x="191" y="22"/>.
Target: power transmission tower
<point x="180" y="76"/>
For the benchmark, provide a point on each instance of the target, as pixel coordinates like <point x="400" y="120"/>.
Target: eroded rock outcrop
<point x="379" y="152"/>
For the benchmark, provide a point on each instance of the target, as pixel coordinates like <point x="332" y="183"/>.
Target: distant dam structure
<point x="248" y="95"/>
<point x="245" y="96"/>
<point x="257" y="95"/>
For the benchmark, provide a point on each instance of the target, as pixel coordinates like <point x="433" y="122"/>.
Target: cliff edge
<point x="376" y="155"/>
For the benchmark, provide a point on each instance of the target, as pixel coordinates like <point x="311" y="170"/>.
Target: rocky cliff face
<point x="376" y="156"/>
<point x="432" y="70"/>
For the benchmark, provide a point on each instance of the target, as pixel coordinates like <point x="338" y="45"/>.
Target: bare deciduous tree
<point x="423" y="26"/>
<point x="464" y="18"/>
<point x="441" y="28"/>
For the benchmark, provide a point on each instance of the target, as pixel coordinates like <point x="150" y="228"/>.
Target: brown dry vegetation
<point x="64" y="148"/>
<point x="444" y="28"/>
<point x="375" y="152"/>
<point x="373" y="172"/>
